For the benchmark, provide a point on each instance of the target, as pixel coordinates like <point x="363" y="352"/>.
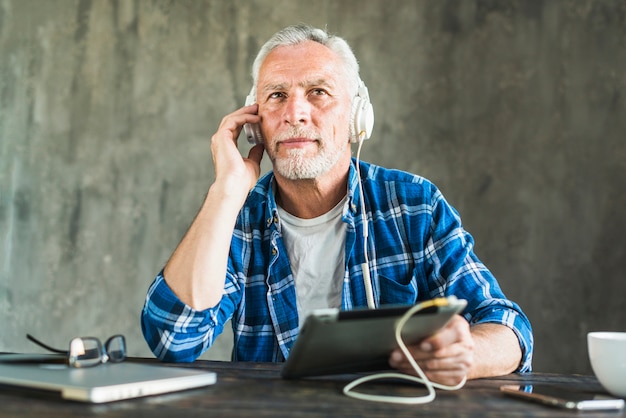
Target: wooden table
<point x="257" y="390"/>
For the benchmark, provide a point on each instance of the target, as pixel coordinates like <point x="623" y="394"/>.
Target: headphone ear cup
<point x="362" y="122"/>
<point x="252" y="130"/>
<point x="253" y="133"/>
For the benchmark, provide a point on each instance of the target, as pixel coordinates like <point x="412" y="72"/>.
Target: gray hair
<point x="297" y="34"/>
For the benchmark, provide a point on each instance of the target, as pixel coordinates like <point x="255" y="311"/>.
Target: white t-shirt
<point x="316" y="254"/>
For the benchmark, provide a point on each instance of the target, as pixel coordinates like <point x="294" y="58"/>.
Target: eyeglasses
<point x="89" y="351"/>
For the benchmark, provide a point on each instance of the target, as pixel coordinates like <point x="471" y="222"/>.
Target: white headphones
<point x="252" y="130"/>
<point x="361" y="118"/>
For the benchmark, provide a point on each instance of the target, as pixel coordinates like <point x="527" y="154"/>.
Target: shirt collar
<point x="267" y="185"/>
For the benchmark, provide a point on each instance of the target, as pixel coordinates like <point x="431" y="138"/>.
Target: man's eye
<point x="277" y="95"/>
<point x="319" y="92"/>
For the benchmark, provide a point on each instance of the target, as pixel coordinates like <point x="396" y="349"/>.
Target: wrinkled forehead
<point x="306" y="63"/>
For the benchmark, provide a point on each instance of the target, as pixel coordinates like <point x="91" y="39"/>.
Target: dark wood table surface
<point x="257" y="390"/>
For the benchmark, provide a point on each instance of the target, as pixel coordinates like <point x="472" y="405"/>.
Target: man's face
<point x="305" y="106"/>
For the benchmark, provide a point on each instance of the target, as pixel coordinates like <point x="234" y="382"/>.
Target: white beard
<point x="298" y="166"/>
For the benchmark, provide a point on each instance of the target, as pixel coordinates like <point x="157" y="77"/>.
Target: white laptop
<point x="104" y="383"/>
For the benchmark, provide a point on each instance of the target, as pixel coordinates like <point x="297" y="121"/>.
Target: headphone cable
<point x="421" y="378"/>
<point x="367" y="281"/>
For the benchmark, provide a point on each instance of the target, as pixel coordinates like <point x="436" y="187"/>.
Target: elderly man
<point x="323" y="229"/>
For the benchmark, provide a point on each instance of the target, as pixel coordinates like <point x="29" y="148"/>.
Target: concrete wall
<point x="515" y="109"/>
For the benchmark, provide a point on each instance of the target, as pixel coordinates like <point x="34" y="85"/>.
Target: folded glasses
<point x="89" y="351"/>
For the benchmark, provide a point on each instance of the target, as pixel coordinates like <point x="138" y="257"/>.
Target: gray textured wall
<point x="514" y="108"/>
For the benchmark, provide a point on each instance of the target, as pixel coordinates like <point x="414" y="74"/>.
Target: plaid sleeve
<point x="505" y="312"/>
<point x="174" y="331"/>
<point x="456" y="270"/>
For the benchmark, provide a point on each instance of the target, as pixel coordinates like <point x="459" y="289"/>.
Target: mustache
<point x="297" y="132"/>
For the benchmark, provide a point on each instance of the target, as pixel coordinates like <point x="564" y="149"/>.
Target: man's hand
<point x="236" y="173"/>
<point x="459" y="351"/>
<point x="445" y="357"/>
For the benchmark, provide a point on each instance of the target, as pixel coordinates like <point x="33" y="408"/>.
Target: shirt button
<point x="274" y="251"/>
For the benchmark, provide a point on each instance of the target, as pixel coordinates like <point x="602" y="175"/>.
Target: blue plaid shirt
<point x="418" y="251"/>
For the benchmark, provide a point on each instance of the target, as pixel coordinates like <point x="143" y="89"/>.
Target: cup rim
<point x="608" y="335"/>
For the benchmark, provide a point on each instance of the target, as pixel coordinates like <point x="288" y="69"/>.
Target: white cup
<point x="607" y="354"/>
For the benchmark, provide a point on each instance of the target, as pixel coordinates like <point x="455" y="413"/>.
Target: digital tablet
<point x="335" y="342"/>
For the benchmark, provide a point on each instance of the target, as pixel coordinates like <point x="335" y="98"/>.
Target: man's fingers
<point x="233" y="123"/>
<point x="256" y="153"/>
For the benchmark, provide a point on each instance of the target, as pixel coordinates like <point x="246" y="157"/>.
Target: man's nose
<point x="297" y="110"/>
